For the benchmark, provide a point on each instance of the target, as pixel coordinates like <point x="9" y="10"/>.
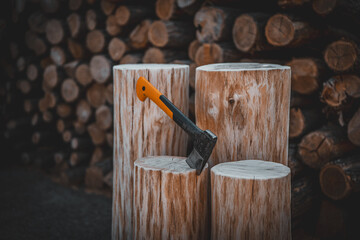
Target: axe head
<point x="204" y="144"/>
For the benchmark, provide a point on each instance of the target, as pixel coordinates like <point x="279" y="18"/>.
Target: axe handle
<point x="144" y="89"/>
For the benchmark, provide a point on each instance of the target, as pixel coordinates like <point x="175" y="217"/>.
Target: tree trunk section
<point x="250" y="200"/>
<point x="342" y="55"/>
<point x="141" y="129"/>
<point x="173" y="186"/>
<point x="254" y="115"/>
<point x="139" y="35"/>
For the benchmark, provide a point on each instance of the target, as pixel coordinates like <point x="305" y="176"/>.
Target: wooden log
<point x="347" y="9"/>
<point x="302" y="121"/>
<point x="93" y="20"/>
<point x="107" y="7"/>
<point x="167" y="9"/>
<point x="132" y="58"/>
<point x="61" y="157"/>
<point x="337" y="90"/>
<point x="108" y="179"/>
<point x="103" y="116"/>
<point x="323" y="145"/>
<point x="54" y="30"/>
<point x="217" y="53"/>
<point x="76" y="25"/>
<point x="156" y="55"/>
<point x="97" y="135"/>
<point x="303" y="197"/>
<point x="138" y="38"/>
<point x="47" y="116"/>
<point x="284" y="30"/>
<point x="112" y="27"/>
<point x="58" y="55"/>
<point x="79" y="127"/>
<point x="96" y="95"/>
<point x="35" y="43"/>
<point x="130" y="15"/>
<point x="37" y="22"/>
<point x="342" y="55"/>
<point x="193" y="47"/>
<point x="95" y="41"/>
<point x="69" y="90"/>
<point x="75" y="5"/>
<point x="340" y="178"/>
<point x="51" y="78"/>
<point x="83" y="74"/>
<point x="173" y="184"/>
<point x="94" y="177"/>
<point x="83" y="111"/>
<point x="70" y="68"/>
<point x="32" y="72"/>
<point x="30" y="105"/>
<point x="116" y="48"/>
<point x="165" y="138"/>
<point x="81" y="144"/>
<point x="227" y="100"/>
<point x="295" y="164"/>
<point x="214" y="24"/>
<point x="171" y="33"/>
<point x="77" y="158"/>
<point x="248" y="32"/>
<point x="99" y="154"/>
<point x="292" y="3"/>
<point x="260" y="193"/>
<point x="100" y="68"/>
<point x="68" y="135"/>
<point x="110" y="139"/>
<point x="62" y="125"/>
<point x="63" y="110"/>
<point x="353" y="130"/>
<point x="109" y="94"/>
<point x="50" y="6"/>
<point x="24" y="86"/>
<point x="302" y="101"/>
<point x="76" y="49"/>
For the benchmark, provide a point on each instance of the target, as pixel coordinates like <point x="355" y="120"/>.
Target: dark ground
<point x="34" y="207"/>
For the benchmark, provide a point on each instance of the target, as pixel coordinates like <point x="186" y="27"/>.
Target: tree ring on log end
<point x="340" y="55"/>
<point x="117" y="49"/>
<point x="245" y="32"/>
<point x="158" y="34"/>
<point x="95" y="41"/>
<point x="165" y="9"/>
<point x="279" y="30"/>
<point x="122" y="15"/>
<point x="297" y="123"/>
<point x="334" y="183"/>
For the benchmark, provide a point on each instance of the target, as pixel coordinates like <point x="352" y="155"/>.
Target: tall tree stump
<point x="250" y="200"/>
<point x="247" y="107"/>
<point x="170" y="200"/>
<point x="143" y="129"/>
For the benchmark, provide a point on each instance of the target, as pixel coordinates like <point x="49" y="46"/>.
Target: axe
<point x="204" y="141"/>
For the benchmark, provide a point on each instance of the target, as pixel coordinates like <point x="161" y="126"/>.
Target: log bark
<point x="340" y="178"/>
<point x="306" y="74"/>
<point x="295" y="164"/>
<point x="214" y="24"/>
<point x="156" y="55"/>
<point x="284" y="30"/>
<point x="112" y="27"/>
<point x="103" y="116"/>
<point x="303" y="197"/>
<point x="139" y="35"/>
<point x="83" y="111"/>
<point x="96" y="41"/>
<point x="96" y="95"/>
<point x="117" y="48"/>
<point x="248" y="32"/>
<point x="260" y="193"/>
<point x="100" y="68"/>
<point x="154" y="133"/>
<point x="171" y="33"/>
<point x="174" y="184"/>
<point x="130" y="15"/>
<point x="217" y="53"/>
<point x="245" y="108"/>
<point x="95" y="174"/>
<point x="54" y="30"/>
<point x="342" y="55"/>
<point x="69" y="90"/>
<point x="324" y="145"/>
<point x="303" y="121"/>
<point x="353" y="130"/>
<point x="132" y="58"/>
<point x="337" y="90"/>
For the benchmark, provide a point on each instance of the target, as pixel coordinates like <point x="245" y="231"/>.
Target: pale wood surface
<point x="170" y="200"/>
<point x="247" y="107"/>
<point x="250" y="199"/>
<point x="142" y="129"/>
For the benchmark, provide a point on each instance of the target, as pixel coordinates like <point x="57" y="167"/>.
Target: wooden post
<point x="141" y="129"/>
<point x="247" y="107"/>
<point x="250" y="200"/>
<point x="170" y="200"/>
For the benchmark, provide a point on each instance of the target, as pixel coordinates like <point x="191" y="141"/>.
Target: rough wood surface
<point x="254" y="115"/>
<point x="100" y="68"/>
<point x="217" y="53"/>
<point x="116" y="48"/>
<point x="129" y="15"/>
<point x="95" y="41"/>
<point x="141" y="129"/>
<point x="54" y="31"/>
<point x="174" y="185"/>
<point x="83" y="74"/>
<point x="250" y="199"/>
<point x="132" y="58"/>
<point x="96" y="95"/>
<point x="324" y="145"/>
<point x="112" y="28"/>
<point x="139" y="35"/>
<point x="342" y="55"/>
<point x="303" y="120"/>
<point x="340" y="178"/>
<point x="156" y="55"/>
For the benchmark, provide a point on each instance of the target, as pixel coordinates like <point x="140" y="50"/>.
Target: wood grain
<point x="247" y="107"/>
<point x="142" y="129"/>
<point x="170" y="200"/>
<point x="250" y="199"/>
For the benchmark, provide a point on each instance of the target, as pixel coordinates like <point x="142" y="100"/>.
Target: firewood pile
<point x="58" y="97"/>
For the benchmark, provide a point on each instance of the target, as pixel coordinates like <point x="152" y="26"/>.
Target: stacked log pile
<point x="57" y="102"/>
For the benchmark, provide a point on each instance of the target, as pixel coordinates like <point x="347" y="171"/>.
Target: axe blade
<point x="195" y="161"/>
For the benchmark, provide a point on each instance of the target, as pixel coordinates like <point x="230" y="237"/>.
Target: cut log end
<point x="341" y="55"/>
<point x="334" y="182"/>
<point x="69" y="90"/>
<point x="122" y="15"/>
<point x="95" y="41"/>
<point x="323" y="7"/>
<point x="54" y="31"/>
<point x="279" y="30"/>
<point x="165" y="9"/>
<point x="158" y="34"/>
<point x="297" y="123"/>
<point x="245" y="32"/>
<point x="100" y="68"/>
<point x="116" y="49"/>
<point x="83" y="74"/>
